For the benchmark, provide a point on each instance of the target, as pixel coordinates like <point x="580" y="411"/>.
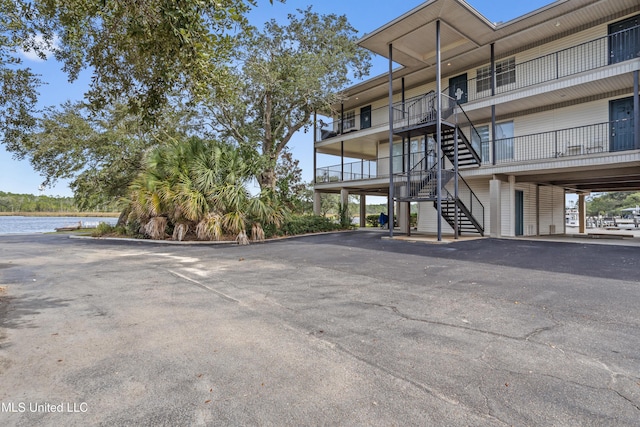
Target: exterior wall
<point x="383" y="159"/>
<point x="565" y="63"/>
<point x="428" y="215"/>
<point x="530" y="222"/>
<point x="552" y="208"/>
<point x="428" y="219"/>
<point x="507" y="214"/>
<point x="576" y="115"/>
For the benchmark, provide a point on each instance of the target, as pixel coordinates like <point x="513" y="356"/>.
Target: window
<point x="349" y="121"/>
<point x="397" y="158"/>
<point x="365" y="117"/>
<point x="505" y="74"/>
<point x="504" y="141"/>
<point x="480" y="142"/>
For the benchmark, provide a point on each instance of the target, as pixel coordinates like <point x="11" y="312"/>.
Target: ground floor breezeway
<point x="504" y="205"/>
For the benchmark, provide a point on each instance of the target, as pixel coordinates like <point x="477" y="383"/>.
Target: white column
<point x="317" y="210"/>
<point x="402" y="214"/>
<point x="582" y="213"/>
<point x="344" y="198"/>
<point x="495" y="207"/>
<point x="512" y="205"/>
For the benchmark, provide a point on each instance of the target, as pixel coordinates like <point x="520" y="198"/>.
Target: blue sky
<point x="365" y="15"/>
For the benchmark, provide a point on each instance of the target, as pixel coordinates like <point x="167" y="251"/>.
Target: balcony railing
<point x="591" y="55"/>
<point x="587" y="56"/>
<point x="571" y="142"/>
<point x="365" y="169"/>
<point x="564" y="143"/>
<point x="378" y="117"/>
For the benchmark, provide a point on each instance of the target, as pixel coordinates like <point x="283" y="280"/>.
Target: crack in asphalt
<point x="205" y="287"/>
<point x="466" y="328"/>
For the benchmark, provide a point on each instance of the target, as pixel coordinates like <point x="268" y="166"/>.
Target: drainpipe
<point x="438" y="132"/>
<point x="391" y="222"/>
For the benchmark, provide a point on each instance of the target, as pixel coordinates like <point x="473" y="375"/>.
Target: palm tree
<point x="200" y="186"/>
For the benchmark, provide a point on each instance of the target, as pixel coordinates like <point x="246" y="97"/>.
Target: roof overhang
<point x="466" y="37"/>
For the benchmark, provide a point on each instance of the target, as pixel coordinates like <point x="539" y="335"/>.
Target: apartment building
<point x="488" y="126"/>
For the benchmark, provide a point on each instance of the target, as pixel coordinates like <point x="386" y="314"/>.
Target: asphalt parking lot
<point x="335" y="329"/>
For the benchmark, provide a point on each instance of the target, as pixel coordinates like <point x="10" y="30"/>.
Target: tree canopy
<point x="158" y="67"/>
<point x="286" y="73"/>
<point x="141" y="51"/>
<point x="611" y="203"/>
<point x="100" y="153"/>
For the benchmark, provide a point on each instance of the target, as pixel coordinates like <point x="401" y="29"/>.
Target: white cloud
<point x="31" y="55"/>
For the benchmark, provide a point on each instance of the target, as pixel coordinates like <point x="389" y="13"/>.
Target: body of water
<point x="45" y="224"/>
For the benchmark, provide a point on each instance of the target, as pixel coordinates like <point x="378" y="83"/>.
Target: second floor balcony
<point x="508" y="76"/>
<point x="564" y="144"/>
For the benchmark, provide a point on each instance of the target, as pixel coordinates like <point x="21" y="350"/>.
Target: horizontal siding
<point x="576" y="115"/>
<point x="427" y="213"/>
<point x="552" y="208"/>
<point x="530" y="208"/>
<point x="428" y="219"/>
<point x="563" y="43"/>
<point x="506" y="210"/>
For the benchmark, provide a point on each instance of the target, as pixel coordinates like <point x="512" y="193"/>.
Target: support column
<point x="363" y="210"/>
<point x="341" y="160"/>
<point x="317" y="210"/>
<point x="344" y="203"/>
<point x="439" y="132"/>
<point x="636" y="109"/>
<point x="403" y="217"/>
<point x="493" y="106"/>
<point x="344" y="197"/>
<point x="495" y="207"/>
<point x="512" y="205"/>
<point x="390" y="200"/>
<point x="582" y="213"/>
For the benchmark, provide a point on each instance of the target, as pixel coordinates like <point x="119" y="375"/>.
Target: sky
<point x="364" y="15"/>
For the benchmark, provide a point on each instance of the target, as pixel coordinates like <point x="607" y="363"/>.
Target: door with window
<point x="621" y="116"/>
<point x="624" y="40"/>
<point x="365" y="117"/>
<point x="519" y="213"/>
<point x="458" y="88"/>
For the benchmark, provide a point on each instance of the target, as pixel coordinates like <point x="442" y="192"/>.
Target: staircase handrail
<point x="473" y="131"/>
<point x="404" y="107"/>
<point x="473" y="201"/>
<point x="430" y="152"/>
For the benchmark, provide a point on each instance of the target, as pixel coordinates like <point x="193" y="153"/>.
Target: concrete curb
<point x="199" y="242"/>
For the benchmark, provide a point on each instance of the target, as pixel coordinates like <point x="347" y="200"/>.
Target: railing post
<point x="456" y="230"/>
<point x="390" y="200"/>
<point x="555" y="142"/>
<point x="438" y="130"/>
<point x="341" y="161"/>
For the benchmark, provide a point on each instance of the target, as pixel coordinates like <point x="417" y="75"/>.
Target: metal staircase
<point x="417" y="117"/>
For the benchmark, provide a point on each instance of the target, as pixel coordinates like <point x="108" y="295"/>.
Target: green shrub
<point x="373" y="220"/>
<point x="302" y="224"/>
<point x="104" y="229"/>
